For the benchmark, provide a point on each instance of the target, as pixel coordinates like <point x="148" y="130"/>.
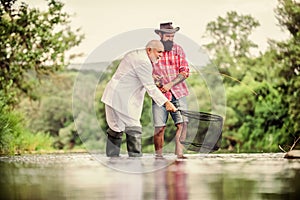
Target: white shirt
<point x="126" y="90"/>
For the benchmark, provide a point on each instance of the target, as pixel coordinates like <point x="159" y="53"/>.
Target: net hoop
<point x="208" y="140"/>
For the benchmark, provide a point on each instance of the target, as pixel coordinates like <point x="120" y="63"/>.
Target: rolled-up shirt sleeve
<point x="183" y="67"/>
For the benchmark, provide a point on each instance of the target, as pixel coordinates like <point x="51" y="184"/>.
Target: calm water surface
<point x="93" y="176"/>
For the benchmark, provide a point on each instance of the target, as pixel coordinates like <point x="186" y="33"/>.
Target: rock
<point x="293" y="154"/>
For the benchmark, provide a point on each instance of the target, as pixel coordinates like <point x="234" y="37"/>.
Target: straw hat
<point x="166" y="28"/>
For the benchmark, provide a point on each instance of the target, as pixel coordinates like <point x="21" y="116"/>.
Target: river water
<point x="201" y="176"/>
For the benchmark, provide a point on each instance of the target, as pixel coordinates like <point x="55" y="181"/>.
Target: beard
<point x="167" y="45"/>
<point x="154" y="59"/>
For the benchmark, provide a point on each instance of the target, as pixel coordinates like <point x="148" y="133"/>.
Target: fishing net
<point x="204" y="132"/>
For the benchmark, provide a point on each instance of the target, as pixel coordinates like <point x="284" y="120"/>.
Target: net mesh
<point x="204" y="132"/>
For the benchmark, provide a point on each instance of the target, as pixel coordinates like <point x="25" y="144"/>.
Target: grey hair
<point x="154" y="44"/>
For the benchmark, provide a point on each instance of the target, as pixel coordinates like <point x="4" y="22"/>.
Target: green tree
<point x="33" y="43"/>
<point x="288" y="55"/>
<point x="269" y="118"/>
<point x="230" y="45"/>
<point x="231" y="34"/>
<point x="230" y="49"/>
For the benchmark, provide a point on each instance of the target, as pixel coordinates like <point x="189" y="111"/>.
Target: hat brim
<point x="166" y="30"/>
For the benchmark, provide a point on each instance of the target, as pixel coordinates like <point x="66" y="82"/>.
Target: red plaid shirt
<point x="169" y="66"/>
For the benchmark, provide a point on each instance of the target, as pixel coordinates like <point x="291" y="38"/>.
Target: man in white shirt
<point x="124" y="97"/>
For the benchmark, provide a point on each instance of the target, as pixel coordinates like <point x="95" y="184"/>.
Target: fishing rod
<point x="224" y="75"/>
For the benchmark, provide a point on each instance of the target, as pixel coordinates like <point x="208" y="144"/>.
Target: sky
<point x="105" y="20"/>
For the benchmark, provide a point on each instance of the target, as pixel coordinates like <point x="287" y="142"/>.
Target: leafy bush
<point x="14" y="138"/>
<point x="10" y="128"/>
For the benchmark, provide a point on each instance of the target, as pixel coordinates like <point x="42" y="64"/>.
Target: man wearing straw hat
<point x="169" y="74"/>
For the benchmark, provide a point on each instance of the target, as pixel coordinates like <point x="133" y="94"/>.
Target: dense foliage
<point x="288" y="53"/>
<point x="262" y="110"/>
<point x="33" y="46"/>
<point x="33" y="43"/>
<point x="13" y="137"/>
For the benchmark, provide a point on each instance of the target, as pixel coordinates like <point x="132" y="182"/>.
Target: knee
<point x="133" y="129"/>
<point x="114" y="134"/>
<point x="185" y="124"/>
<point x="179" y="125"/>
<point x="159" y="130"/>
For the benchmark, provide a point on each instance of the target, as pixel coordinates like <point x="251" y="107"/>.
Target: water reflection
<point x="25" y="182"/>
<point x="201" y="177"/>
<point x="125" y="186"/>
<point x="226" y="187"/>
<point x="171" y="183"/>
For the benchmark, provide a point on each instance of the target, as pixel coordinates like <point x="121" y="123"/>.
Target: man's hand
<point x="157" y="80"/>
<point x="170" y="107"/>
<point x="156" y="77"/>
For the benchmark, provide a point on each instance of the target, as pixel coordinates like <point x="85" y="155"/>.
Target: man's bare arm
<point x="179" y="78"/>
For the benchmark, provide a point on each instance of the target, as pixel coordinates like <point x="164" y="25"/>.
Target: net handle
<point x="211" y="117"/>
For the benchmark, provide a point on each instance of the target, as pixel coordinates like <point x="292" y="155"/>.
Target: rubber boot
<point x="134" y="141"/>
<point x="113" y="143"/>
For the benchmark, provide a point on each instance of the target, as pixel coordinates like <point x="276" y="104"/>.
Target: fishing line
<point x="224" y="75"/>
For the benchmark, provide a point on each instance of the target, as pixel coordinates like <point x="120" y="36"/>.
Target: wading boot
<point x="134" y="141"/>
<point x="113" y="143"/>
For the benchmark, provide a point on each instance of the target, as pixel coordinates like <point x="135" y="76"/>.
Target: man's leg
<point x="183" y="106"/>
<point x="159" y="140"/>
<point x="184" y="131"/>
<point x="134" y="141"/>
<point x="181" y="126"/>
<point x="113" y="143"/>
<point x="178" y="145"/>
<point x="114" y="132"/>
<point x="160" y="117"/>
